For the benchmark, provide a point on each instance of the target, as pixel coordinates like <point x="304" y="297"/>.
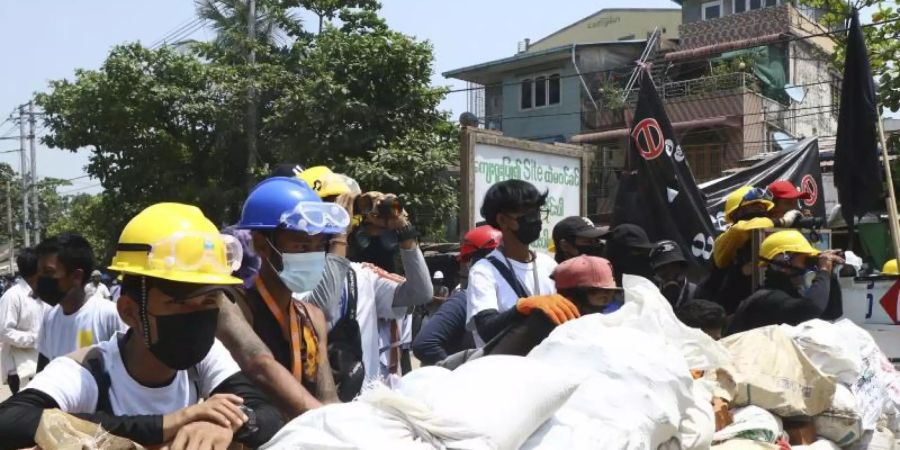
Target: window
<point x="712" y="10"/>
<point x="771" y="3"/>
<point x="739" y="6"/>
<point x="526" y="94"/>
<point x="542" y="91"/>
<point x="553" y="90"/>
<point x="750" y="5"/>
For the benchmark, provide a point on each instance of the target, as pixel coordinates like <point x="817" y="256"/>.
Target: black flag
<point x="857" y="174"/>
<point x="658" y="191"/>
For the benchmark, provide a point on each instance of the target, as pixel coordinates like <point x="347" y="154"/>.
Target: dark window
<point x="540" y="92"/>
<point x="771" y="3"/>
<point x="526" y="94"/>
<point x="740" y="6"/>
<point x="755" y="4"/>
<point x="554" y="90"/>
<point x="712" y="11"/>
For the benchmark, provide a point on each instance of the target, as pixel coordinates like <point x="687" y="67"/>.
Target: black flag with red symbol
<point x="657" y="190"/>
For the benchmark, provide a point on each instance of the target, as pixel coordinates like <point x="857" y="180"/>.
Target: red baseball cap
<point x="584" y="272"/>
<point x="784" y="189"/>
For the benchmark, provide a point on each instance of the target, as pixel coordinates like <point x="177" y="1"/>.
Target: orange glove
<point x="558" y="308"/>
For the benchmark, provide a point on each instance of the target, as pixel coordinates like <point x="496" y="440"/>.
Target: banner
<point x="798" y="164"/>
<point x="658" y="191"/>
<point x="559" y="175"/>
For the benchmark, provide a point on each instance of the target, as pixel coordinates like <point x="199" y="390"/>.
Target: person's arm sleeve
<point x="9" y="315"/>
<point x="523" y="336"/>
<point x="835" y="308"/>
<point x="20" y="416"/>
<point x="327" y="294"/>
<point x="386" y="288"/>
<point x="819" y="294"/>
<point x="268" y="419"/>
<point x="447" y="325"/>
<point x="481" y="293"/>
<point x="417" y="289"/>
<point x="490" y="323"/>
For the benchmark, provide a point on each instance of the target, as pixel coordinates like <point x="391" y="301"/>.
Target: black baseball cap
<point x="575" y="226"/>
<point x="628" y="235"/>
<point x="666" y="252"/>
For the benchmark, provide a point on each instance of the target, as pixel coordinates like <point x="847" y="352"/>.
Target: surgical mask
<point x="48" y="290"/>
<point x="302" y="272"/>
<point x="591" y="250"/>
<point x="529" y="228"/>
<point x="183" y="340"/>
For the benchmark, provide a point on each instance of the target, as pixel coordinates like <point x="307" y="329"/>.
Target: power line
<point x="80" y="189"/>
<point x="787" y="39"/>
<point x="179" y="29"/>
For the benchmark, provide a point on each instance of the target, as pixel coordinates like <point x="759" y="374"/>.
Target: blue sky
<point x="49" y="39"/>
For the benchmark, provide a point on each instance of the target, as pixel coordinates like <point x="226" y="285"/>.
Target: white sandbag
<point x="880" y="439"/>
<point x="771" y="372"/>
<point x="841" y="424"/>
<point x="418" y="383"/>
<point x="494" y="402"/>
<point x="637" y="396"/>
<point x="821" y="444"/>
<point x="354" y="425"/>
<point x="877" y="390"/>
<point x="745" y="444"/>
<point x="751" y="423"/>
<point x="825" y="346"/>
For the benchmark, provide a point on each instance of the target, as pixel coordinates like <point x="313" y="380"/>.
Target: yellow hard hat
<point x="325" y="182"/>
<point x="890" y="268"/>
<point x="788" y="241"/>
<point x="176" y="242"/>
<point x="746" y="195"/>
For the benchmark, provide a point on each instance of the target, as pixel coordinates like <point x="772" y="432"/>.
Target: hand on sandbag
<point x="556" y="307"/>
<point x="789" y="218"/>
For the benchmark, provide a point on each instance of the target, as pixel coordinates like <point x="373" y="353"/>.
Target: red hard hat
<point x="484" y="237"/>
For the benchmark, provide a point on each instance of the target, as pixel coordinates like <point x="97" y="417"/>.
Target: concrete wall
<point x="550" y="123"/>
<point x="814" y="116"/>
<point x="614" y="25"/>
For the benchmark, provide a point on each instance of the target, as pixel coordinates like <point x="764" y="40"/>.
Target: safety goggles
<point x="196" y="252"/>
<point x="316" y="217"/>
<point x="757" y="194"/>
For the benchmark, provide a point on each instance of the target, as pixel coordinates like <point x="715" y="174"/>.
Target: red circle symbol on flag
<point x="808" y="184"/>
<point x="648" y="138"/>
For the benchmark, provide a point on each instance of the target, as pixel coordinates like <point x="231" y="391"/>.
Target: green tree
<point x="88" y="216"/>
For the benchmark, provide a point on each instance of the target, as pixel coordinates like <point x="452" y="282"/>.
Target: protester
<point x="145" y="384"/>
<point x="512" y="280"/>
<point x="74" y="321"/>
<point x="575" y="236"/>
<point x="116" y="290"/>
<point x="628" y="249"/>
<point x="290" y="228"/>
<point x="703" y="314"/>
<point x="445" y="332"/>
<point x="96" y="287"/>
<point x="21" y="315"/>
<point x="371" y="293"/>
<point x="586" y="285"/>
<point x="785" y="197"/>
<point x="670" y="270"/>
<point x="799" y="285"/>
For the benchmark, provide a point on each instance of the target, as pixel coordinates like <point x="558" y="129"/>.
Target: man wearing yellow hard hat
<point x="799" y="285"/>
<point x="146" y="384"/>
<point x="746" y="209"/>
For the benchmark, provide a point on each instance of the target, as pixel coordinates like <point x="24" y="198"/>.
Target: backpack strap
<point x="91" y="358"/>
<point x="352" y="294"/>
<point x="511" y="279"/>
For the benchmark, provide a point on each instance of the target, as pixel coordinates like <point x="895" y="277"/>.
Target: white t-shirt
<point x="404" y="339"/>
<point x="375" y="301"/>
<point x="99" y="290"/>
<point x="21" y="316"/>
<point x="96" y="321"/>
<point x="75" y="391"/>
<point x="489" y="290"/>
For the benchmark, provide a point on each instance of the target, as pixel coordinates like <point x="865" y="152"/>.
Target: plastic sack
<point x="825" y="346"/>
<point x="60" y="431"/>
<point x="821" y="444"/>
<point x="745" y="444"/>
<point x="877" y="390"/>
<point x="638" y="395"/>
<point x="841" y="424"/>
<point x="880" y="439"/>
<point x="751" y="423"/>
<point x="771" y="372"/>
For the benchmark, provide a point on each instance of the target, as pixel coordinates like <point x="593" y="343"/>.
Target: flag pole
<point x="891" y="199"/>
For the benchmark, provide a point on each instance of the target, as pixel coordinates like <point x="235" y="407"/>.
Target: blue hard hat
<point x="289" y="203"/>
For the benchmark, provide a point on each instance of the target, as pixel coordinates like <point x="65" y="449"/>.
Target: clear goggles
<point x="197" y="252"/>
<point x="757" y="194"/>
<point x="316" y="217"/>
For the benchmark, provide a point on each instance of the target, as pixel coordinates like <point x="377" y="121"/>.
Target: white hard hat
<point x="438" y="275"/>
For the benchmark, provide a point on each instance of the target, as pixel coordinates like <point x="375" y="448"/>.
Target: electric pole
<point x="251" y="92"/>
<point x="33" y="189"/>
<point x="24" y="174"/>
<point x="9" y="227"/>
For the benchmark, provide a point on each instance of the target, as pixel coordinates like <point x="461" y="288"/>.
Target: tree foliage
<point x="169" y="124"/>
<point x="85" y="214"/>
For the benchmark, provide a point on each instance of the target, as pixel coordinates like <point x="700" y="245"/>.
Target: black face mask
<point x="529" y="228"/>
<point x="48" y="290"/>
<point x="671" y="290"/>
<point x="592" y="250"/>
<point x="183" y="340"/>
